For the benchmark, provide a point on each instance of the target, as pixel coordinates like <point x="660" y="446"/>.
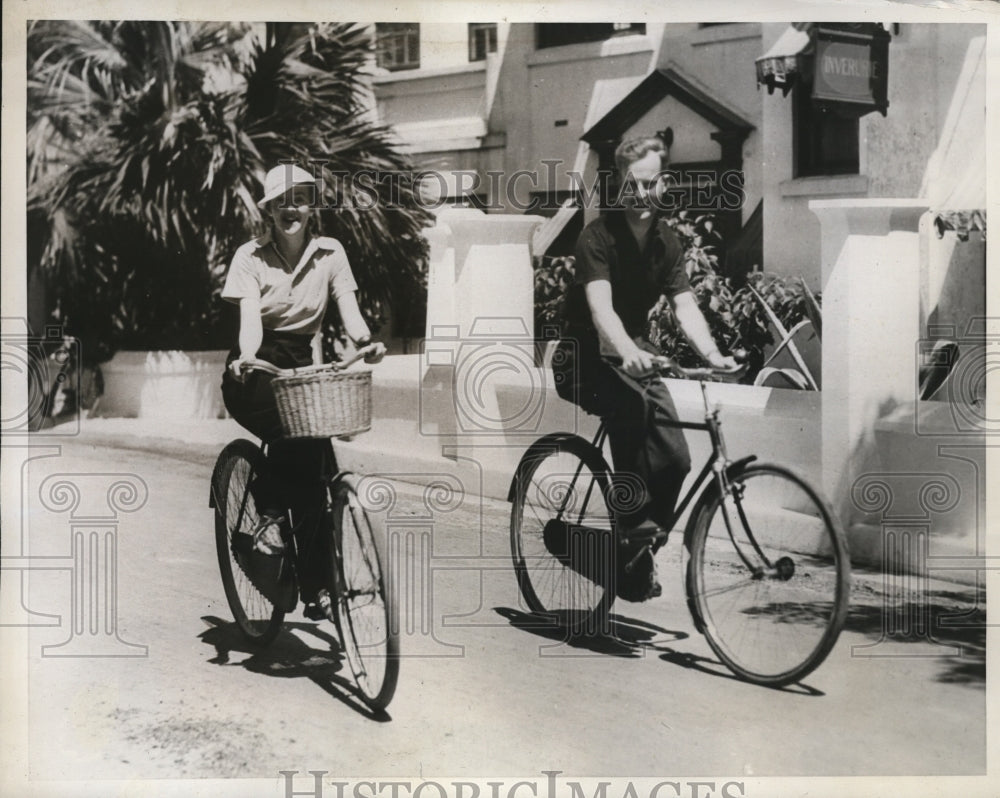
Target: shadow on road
<point x="622" y="638"/>
<point x="949" y="625"/>
<point x="630" y="638"/>
<point x="289" y="656"/>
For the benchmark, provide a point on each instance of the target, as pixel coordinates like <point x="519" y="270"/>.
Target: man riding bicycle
<point x="626" y="260"/>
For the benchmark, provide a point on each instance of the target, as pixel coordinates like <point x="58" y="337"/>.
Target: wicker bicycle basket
<point x="324" y="404"/>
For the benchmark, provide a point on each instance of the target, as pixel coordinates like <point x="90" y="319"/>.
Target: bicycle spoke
<point x="558" y="509"/>
<point x="728" y="588"/>
<point x="364" y="608"/>
<point x="257" y="618"/>
<point x="537" y="516"/>
<point x="776" y="623"/>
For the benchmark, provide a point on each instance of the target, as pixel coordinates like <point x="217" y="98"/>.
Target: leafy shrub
<point x="553" y="276"/>
<point x="734" y="315"/>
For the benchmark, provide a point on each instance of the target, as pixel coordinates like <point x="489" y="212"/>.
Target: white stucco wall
<point x="925" y="61"/>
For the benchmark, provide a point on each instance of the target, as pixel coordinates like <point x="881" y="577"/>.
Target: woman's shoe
<point x="268" y="536"/>
<point x="320" y="608"/>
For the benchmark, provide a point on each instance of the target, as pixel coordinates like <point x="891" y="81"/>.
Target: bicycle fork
<point x="731" y="496"/>
<point x="734" y="512"/>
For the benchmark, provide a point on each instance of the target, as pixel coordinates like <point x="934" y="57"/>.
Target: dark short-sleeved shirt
<point x="607" y="250"/>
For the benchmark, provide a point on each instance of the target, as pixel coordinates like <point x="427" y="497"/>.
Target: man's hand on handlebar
<point x="638" y="362"/>
<point x="375" y="353"/>
<point x="721" y="362"/>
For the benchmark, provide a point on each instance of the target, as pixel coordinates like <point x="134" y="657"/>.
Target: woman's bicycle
<point x="768" y="571"/>
<point x="361" y="602"/>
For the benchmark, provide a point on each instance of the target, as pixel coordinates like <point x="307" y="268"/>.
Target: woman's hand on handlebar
<point x="244" y="365"/>
<point x="238" y="368"/>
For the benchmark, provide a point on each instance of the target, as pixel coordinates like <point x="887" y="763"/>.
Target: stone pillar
<point x="480" y="323"/>
<point x="480" y="271"/>
<point x="871" y="266"/>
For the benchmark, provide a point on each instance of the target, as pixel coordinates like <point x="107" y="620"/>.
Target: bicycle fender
<point x="236" y="443"/>
<point x="541" y="446"/>
<point x="740" y="465"/>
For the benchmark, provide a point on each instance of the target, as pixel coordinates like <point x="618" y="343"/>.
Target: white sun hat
<point x="281" y="178"/>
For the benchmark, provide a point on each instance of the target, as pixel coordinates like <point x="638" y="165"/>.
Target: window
<point x="825" y="143"/>
<point x="556" y="34"/>
<point x="482" y="40"/>
<point x="397" y="45"/>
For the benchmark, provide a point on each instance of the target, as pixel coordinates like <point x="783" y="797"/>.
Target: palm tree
<point x="147" y="142"/>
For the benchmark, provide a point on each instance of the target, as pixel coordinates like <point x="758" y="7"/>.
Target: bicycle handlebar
<point x="666" y="367"/>
<point x="255" y="364"/>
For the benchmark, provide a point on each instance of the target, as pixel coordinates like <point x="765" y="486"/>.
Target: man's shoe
<point x="637" y="577"/>
<point x="647" y="532"/>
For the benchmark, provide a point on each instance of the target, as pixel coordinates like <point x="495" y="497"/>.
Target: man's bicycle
<point x="321" y="402"/>
<point x="768" y="571"/>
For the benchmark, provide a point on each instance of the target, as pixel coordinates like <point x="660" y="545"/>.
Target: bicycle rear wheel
<point x="770" y="589"/>
<point x="235" y="514"/>
<point x="562" y="534"/>
<point x="366" y="604"/>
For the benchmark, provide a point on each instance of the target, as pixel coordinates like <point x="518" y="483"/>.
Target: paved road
<point x="479" y="694"/>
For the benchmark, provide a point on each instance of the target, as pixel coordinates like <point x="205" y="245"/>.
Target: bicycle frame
<point x="717" y="467"/>
<point x="716" y="461"/>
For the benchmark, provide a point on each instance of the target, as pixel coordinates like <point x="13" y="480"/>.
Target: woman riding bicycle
<point x="625" y="261"/>
<point x="283" y="281"/>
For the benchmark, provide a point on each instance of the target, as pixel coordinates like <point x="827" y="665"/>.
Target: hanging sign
<point x="851" y="68"/>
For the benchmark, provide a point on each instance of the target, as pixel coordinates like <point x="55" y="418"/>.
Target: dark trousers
<point x="651" y="459"/>
<point x="290" y="475"/>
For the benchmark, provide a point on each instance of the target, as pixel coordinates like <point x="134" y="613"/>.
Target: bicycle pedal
<point x="635" y="559"/>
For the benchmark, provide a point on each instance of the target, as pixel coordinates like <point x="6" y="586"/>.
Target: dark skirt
<point x="292" y="465"/>
<point x="290" y="476"/>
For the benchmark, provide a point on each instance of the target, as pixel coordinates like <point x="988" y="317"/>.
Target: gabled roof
<point x="668" y="81"/>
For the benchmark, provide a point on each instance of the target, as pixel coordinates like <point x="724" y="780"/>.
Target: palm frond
<point x="147" y="143"/>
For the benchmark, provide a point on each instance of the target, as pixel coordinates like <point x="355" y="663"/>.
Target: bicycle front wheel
<point x="768" y="577"/>
<point x="236" y="514"/>
<point x="562" y="534"/>
<point x="366" y="604"/>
